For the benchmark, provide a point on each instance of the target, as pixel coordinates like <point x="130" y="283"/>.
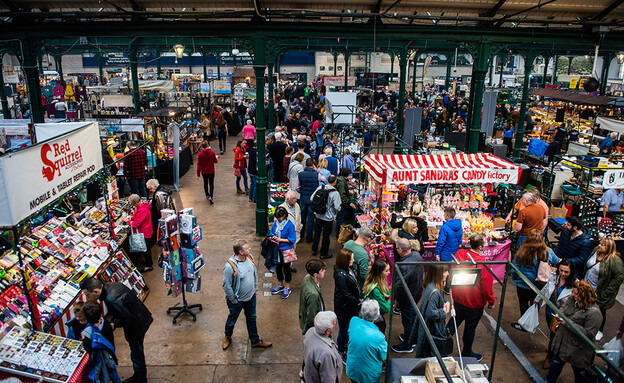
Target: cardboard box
<point x="499" y="134"/>
<point x="499" y="223"/>
<point x="433" y="371"/>
<point x="558" y="212"/>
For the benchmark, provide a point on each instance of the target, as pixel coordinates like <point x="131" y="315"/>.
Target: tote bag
<point x="137" y="242"/>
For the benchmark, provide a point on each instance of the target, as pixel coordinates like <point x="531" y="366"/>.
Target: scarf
<point x="279" y="226"/>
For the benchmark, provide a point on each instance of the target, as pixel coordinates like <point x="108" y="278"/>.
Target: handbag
<point x="289" y="255"/>
<point x="543" y="272"/>
<point x="346" y="233"/>
<point x="137" y="242"/>
<point x="554" y="324"/>
<point x="443" y="342"/>
<point x="237" y="172"/>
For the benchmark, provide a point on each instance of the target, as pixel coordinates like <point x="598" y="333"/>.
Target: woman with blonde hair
<point x="527" y="259"/>
<point x="322" y="168"/>
<point x="604" y="271"/>
<point x="376" y="288"/>
<point x="567" y="347"/>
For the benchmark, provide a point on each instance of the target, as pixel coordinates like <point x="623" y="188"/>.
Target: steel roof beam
<point x="494" y="9"/>
<point x="607" y="10"/>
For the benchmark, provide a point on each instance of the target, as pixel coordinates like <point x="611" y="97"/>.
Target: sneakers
<point x="326" y="256"/>
<point x="599" y="336"/>
<point x="261" y="344"/>
<point x="211" y="201"/>
<point x="473" y="354"/>
<point x="404" y="341"/>
<point x="277" y="290"/>
<point x="286" y="293"/>
<point x="227" y="341"/>
<point x="402" y="348"/>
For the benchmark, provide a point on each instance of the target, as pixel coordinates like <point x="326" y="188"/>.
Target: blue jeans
<point x="250" y="317"/>
<point x="244" y="177"/>
<point x="307" y="218"/>
<point x="137" y="186"/>
<point x="343" y="334"/>
<point x="252" y="187"/>
<point x="408" y="320"/>
<point x="137" y="355"/>
<point x="521" y="239"/>
<point x="557" y="366"/>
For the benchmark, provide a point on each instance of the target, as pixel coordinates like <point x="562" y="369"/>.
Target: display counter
<point x="164" y="168"/>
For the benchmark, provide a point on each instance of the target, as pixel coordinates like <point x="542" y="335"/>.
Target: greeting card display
<point x="179" y="235"/>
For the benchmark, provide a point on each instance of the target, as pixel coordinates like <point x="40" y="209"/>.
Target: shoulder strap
<point x="233" y="266"/>
<point x="252" y="261"/>
<point x="429" y="300"/>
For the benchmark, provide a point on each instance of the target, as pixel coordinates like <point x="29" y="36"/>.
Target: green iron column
<point x="277" y="66"/>
<point x="58" y="60"/>
<point x="259" y="65"/>
<point x="398" y="147"/>
<point x="570" y="58"/>
<point x="191" y="63"/>
<point x="40" y="62"/>
<point x="415" y="61"/>
<point x="30" y="49"/>
<point x="492" y="70"/>
<point x="479" y="70"/>
<point x="6" y="112"/>
<point x="204" y="67"/>
<point x="555" y="64"/>
<point x="158" y="67"/>
<point x="447" y="80"/>
<point x="218" y="66"/>
<point x="136" y="99"/>
<point x="392" y="56"/>
<point x="546" y="60"/>
<point x="336" y="63"/>
<point x="528" y="66"/>
<point x="346" y="69"/>
<point x="271" y="117"/>
<point x="100" y="67"/>
<point x="604" y="77"/>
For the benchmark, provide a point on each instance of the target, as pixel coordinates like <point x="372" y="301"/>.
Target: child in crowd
<point x="78" y="323"/>
<point x="98" y="341"/>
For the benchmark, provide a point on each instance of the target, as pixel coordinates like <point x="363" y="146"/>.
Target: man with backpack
<point x="325" y="203"/>
<point x="240" y="283"/>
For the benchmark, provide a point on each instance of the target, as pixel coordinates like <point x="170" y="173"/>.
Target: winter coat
<point x="449" y="239"/>
<point x="308" y="182"/>
<point x="610" y="278"/>
<point x="270" y="252"/>
<point x="293" y="177"/>
<point x="434" y="315"/>
<point x="343" y="190"/>
<point x="567" y="345"/>
<point x="205" y="162"/>
<point x="367" y="350"/>
<point x="414" y="281"/>
<point x="162" y="200"/>
<point x="332" y="165"/>
<point x="347" y="294"/>
<point x="74" y="329"/>
<point x="141" y="221"/>
<point x="322" y="361"/>
<point x="576" y="250"/>
<point x="240" y="162"/>
<point x="310" y="303"/>
<point x="126" y="309"/>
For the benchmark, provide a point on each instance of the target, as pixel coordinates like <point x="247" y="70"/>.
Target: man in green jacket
<point x="360" y="255"/>
<point x="310" y="298"/>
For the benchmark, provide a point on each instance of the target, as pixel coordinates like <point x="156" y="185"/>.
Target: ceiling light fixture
<point x="179" y="50"/>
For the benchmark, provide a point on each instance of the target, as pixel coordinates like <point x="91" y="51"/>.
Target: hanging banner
<point x="32" y="178"/>
<point x="613" y="179"/>
<point x="451" y="176"/>
<point x="338" y="81"/>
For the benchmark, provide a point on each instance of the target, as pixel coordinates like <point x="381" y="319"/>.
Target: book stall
<point x="423" y="185"/>
<point x="56" y="245"/>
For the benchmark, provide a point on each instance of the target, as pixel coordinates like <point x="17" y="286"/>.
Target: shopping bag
<point x="614" y="348"/>
<point x="544" y="270"/>
<point x="530" y="320"/>
<point x="137" y="243"/>
<point x="346" y="233"/>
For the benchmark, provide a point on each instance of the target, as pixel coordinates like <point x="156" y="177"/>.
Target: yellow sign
<point x="581" y="83"/>
<point x="573" y="83"/>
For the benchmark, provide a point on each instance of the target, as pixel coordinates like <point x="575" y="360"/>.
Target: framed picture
<point x="331" y="67"/>
<point x="339" y="68"/>
<point x="322" y="67"/>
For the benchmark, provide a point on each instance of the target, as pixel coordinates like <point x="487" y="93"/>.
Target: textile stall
<point x="423" y="185"/>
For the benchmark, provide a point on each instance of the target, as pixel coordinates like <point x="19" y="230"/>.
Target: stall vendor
<point x="612" y="200"/>
<point x="606" y="144"/>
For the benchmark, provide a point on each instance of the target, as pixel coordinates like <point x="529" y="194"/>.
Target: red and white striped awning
<point x="476" y="168"/>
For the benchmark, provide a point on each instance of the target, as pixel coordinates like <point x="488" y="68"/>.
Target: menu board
<point x="36" y="354"/>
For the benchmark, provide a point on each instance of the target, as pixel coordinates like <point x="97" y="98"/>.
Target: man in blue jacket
<point x="450" y="237"/>
<point x="308" y="182"/>
<point x="575" y="244"/>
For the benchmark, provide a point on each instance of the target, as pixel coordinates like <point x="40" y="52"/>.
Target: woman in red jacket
<point x="141" y="222"/>
<point x="240" y="166"/>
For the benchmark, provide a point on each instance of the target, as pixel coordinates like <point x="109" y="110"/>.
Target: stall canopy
<point x="441" y="169"/>
<point x="574" y="97"/>
<point x="610" y="124"/>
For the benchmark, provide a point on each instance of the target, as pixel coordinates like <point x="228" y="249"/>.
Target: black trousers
<point x="208" y="179"/>
<point x="525" y="298"/>
<point x="222" y="140"/>
<point x="472" y="317"/>
<point x="325" y="227"/>
<point x="283" y="272"/>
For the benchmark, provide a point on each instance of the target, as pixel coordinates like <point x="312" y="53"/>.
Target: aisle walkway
<point x="191" y="351"/>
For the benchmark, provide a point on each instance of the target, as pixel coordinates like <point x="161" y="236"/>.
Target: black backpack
<point x="319" y="200"/>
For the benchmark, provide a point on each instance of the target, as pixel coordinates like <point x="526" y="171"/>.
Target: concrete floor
<point x="191" y="351"/>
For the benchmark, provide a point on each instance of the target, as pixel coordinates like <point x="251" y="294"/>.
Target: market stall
<point x="423" y="185"/>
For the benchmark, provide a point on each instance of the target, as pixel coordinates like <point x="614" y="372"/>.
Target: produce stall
<point x="423" y="185"/>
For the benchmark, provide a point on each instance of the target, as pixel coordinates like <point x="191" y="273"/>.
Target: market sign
<point x="33" y="177"/>
<point x="451" y="176"/>
<point x="613" y="179"/>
